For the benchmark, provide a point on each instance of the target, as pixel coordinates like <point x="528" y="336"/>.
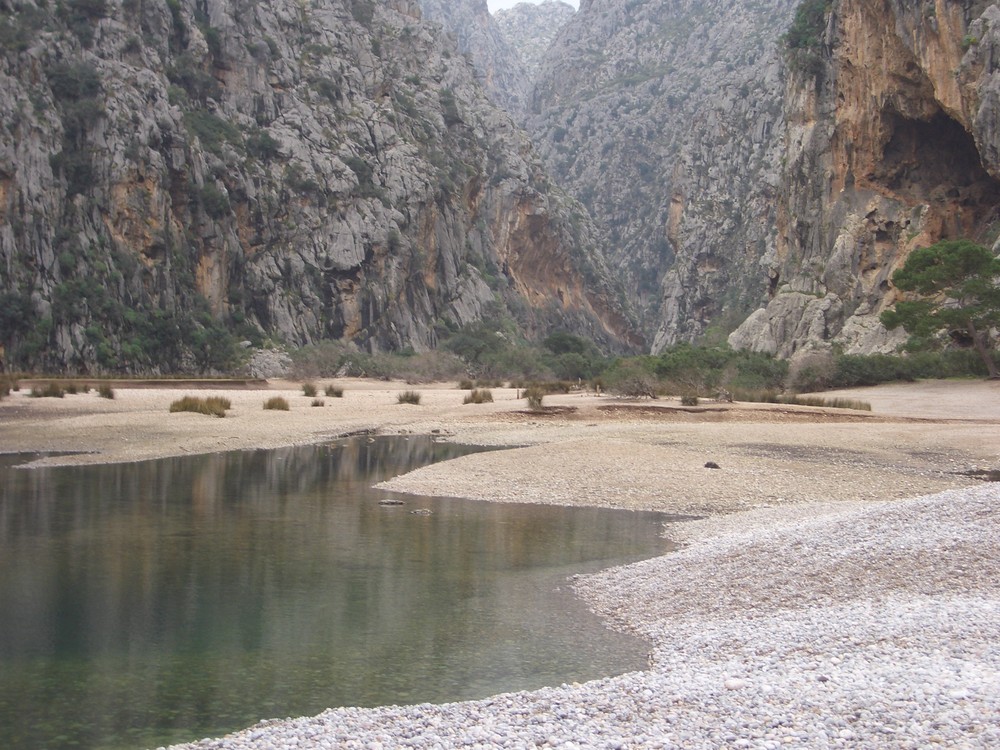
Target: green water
<point x="165" y="601"/>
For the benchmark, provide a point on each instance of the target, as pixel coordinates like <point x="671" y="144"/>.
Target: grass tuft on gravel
<point x="276" y="403"/>
<point x="214" y="406"/>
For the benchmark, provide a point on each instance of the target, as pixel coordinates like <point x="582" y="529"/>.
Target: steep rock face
<point x="894" y="144"/>
<point x="501" y="70"/>
<point x="169" y="169"/>
<point x="531" y="29"/>
<point x="664" y="118"/>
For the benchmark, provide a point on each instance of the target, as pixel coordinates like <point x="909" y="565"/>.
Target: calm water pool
<point x="165" y="601"/>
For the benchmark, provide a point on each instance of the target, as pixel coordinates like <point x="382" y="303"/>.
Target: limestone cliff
<point x="664" y="118"/>
<point x="530" y="29"/>
<point x="893" y="143"/>
<point x="173" y="170"/>
<point x="501" y="71"/>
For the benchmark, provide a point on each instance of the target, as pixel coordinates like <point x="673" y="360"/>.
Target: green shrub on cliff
<point x="804" y="38"/>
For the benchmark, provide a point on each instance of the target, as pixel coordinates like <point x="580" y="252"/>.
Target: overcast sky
<point x="496" y="5"/>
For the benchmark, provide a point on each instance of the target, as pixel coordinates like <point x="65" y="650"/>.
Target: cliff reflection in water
<point x="171" y="599"/>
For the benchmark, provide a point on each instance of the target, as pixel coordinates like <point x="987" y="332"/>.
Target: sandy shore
<point x="587" y="450"/>
<point x="812" y="537"/>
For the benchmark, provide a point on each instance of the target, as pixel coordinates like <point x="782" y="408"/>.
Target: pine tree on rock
<point x="957" y="289"/>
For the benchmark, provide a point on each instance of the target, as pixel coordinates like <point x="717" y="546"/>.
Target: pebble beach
<point x="842" y="588"/>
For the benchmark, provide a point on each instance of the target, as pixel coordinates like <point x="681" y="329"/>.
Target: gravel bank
<point x="844" y="626"/>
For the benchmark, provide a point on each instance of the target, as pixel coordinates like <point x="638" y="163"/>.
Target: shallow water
<point x="164" y="601"/>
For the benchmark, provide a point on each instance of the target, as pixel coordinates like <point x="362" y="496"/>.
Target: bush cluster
<point x="492" y="350"/>
<point x="467" y="384"/>
<point x="334" y="359"/>
<point x="482" y="354"/>
<point x="692" y="370"/>
<point x="710" y="371"/>
<point x="545" y="386"/>
<point x="125" y="339"/>
<point x="363" y="11"/>
<point x="214" y="201"/>
<point x="854" y="370"/>
<point x="76" y="88"/>
<point x="212" y="130"/>
<point x="262" y="145"/>
<point x="495" y="356"/>
<point x="18" y="32"/>
<point x="196" y="84"/>
<point x="82" y="16"/>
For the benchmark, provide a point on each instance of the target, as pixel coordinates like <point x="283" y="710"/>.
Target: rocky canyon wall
<point x="501" y="71"/>
<point x="530" y="30"/>
<point x="176" y="171"/>
<point x="665" y="119"/>
<point x="892" y="143"/>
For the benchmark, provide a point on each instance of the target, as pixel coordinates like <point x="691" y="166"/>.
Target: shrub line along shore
<point x="842" y="589"/>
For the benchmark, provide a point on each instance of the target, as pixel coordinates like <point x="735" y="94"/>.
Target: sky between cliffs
<point x="496" y="5"/>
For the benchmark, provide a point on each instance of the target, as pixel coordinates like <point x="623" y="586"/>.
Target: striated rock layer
<point x="893" y="143"/>
<point x="171" y="170"/>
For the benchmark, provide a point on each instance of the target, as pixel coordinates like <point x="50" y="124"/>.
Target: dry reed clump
<point x="408" y="397"/>
<point x="771" y="397"/>
<point x="7" y="385"/>
<point x="828" y="403"/>
<point x="477" y="396"/>
<point x="309" y="390"/>
<point x="334" y="391"/>
<point x="105" y="391"/>
<point x="318" y="402"/>
<point x="49" y="390"/>
<point x="534" y="394"/>
<point x="276" y="403"/>
<point x="214" y="406"/>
